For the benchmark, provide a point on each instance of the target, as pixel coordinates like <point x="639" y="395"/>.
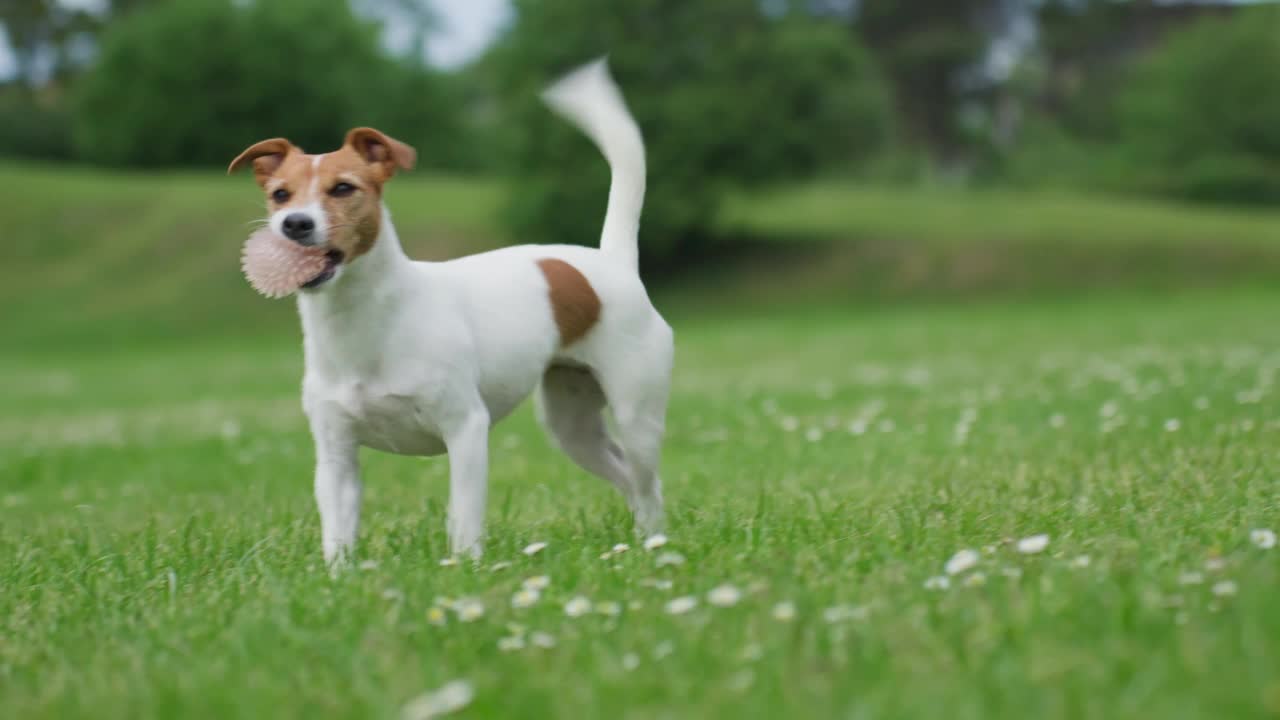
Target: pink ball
<point x="276" y="266"/>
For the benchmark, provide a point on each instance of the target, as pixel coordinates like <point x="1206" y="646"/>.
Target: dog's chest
<point x="386" y="420"/>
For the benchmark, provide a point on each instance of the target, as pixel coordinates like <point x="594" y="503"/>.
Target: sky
<point x="466" y="29"/>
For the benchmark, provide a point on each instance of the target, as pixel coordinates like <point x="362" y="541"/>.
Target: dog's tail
<point x="588" y="98"/>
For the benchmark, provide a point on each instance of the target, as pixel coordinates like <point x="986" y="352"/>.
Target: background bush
<point x="193" y="83"/>
<point x="1200" y="119"/>
<point x="32" y="128"/>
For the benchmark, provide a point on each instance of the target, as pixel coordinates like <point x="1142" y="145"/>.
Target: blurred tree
<point x="725" y="94"/>
<point x="192" y="83"/>
<point x="1202" y="117"/>
<point x="47" y="37"/>
<point x="925" y="48"/>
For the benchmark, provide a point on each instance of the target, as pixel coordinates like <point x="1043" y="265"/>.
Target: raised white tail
<point x="589" y="98"/>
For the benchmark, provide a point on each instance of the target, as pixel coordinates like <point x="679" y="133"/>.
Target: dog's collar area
<point x="333" y="259"/>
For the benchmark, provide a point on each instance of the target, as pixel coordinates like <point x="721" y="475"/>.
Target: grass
<point x="953" y="215"/>
<point x="161" y="551"/>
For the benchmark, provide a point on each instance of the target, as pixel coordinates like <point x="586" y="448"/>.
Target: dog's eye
<point x="342" y="189"/>
<point x="281" y="195"/>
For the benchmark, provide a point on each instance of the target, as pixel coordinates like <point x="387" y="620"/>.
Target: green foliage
<point x="193" y="83"/>
<point x="724" y="95"/>
<point x="31" y="128"/>
<point x="1202" y="117"/>
<point x="925" y="48"/>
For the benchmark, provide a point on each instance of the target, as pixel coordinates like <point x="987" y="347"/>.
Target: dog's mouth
<point x="333" y="259"/>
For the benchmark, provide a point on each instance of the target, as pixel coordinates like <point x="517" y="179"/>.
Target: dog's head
<point x="332" y="200"/>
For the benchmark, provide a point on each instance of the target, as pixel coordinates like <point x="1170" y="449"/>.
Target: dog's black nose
<point x="298" y="226"/>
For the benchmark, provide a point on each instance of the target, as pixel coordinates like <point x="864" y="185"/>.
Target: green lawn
<point x="159" y="550"/>
<point x="161" y="553"/>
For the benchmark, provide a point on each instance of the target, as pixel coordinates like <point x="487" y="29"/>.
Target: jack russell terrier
<point x="422" y="358"/>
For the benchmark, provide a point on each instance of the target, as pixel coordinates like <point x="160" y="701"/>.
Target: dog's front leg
<point x="338" y="487"/>
<point x="468" y="446"/>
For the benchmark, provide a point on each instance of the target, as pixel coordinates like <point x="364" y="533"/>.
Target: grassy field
<point x="159" y="550"/>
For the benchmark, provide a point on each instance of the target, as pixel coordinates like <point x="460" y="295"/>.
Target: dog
<point x="423" y="358"/>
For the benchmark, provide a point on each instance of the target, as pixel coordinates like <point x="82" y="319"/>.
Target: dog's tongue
<point x="276" y="266"/>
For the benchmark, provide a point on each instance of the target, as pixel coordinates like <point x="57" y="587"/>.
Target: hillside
<point x="98" y="257"/>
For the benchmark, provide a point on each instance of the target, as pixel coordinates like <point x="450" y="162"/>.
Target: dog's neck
<point x="345" y="322"/>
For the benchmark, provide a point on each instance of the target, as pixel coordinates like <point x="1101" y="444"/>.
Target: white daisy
<point x="510" y="644"/>
<point x="436" y="616"/>
<point x="725" y="595"/>
<point x="469" y="609"/>
<point x="1214" y="564"/>
<point x="653" y="542"/>
<point x="1081" y="562"/>
<point x="669" y="558"/>
<point x="542" y="640"/>
<point x="962" y="561"/>
<point x="450" y="698"/>
<point x="1172" y="425"/>
<point x="1263" y="538"/>
<point x="630" y="662"/>
<point x="681" y="605"/>
<point x="1033" y="544"/>
<point x="534" y="548"/>
<point x="448" y="561"/>
<point x="784" y="611"/>
<point x="577" y="606"/>
<point x="612" y="609"/>
<point x="502" y="565"/>
<point x="977" y="579"/>
<point x="525" y="597"/>
<point x="537" y="582"/>
<point x="938" y="582"/>
<point x="620" y="548"/>
<point x="1191" y="578"/>
<point x="1224" y="588"/>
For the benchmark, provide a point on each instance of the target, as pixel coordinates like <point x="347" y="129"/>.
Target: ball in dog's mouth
<point x="277" y="267"/>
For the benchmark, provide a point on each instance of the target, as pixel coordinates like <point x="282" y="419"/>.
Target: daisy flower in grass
<point x="1033" y="544"/>
<point x="681" y="605"/>
<point x="961" y="561"/>
<point x="669" y="558"/>
<point x="537" y="582"/>
<point x="450" y="698"/>
<point x="1263" y="538"/>
<point x="655" y="541"/>
<point x="725" y="595"/>
<point x="525" y="597"/>
<point x="577" y="606"/>
<point x="469" y="609"/>
<point x="534" y="548"/>
<point x="938" y="582"/>
<point x="784" y="611"/>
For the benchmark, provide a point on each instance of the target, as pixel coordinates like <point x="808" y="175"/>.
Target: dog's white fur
<point x="421" y="358"/>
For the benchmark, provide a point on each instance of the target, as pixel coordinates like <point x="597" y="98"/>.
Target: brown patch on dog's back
<point x="574" y="303"/>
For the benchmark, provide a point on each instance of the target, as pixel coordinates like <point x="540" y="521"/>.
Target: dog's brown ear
<point x="266" y="157"/>
<point x="378" y="148"/>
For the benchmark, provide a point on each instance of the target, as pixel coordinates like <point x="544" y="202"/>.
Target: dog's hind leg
<point x="637" y="382"/>
<point x="571" y="409"/>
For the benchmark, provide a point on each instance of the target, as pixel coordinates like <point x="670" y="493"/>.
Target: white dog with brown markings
<point x="421" y="358"/>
